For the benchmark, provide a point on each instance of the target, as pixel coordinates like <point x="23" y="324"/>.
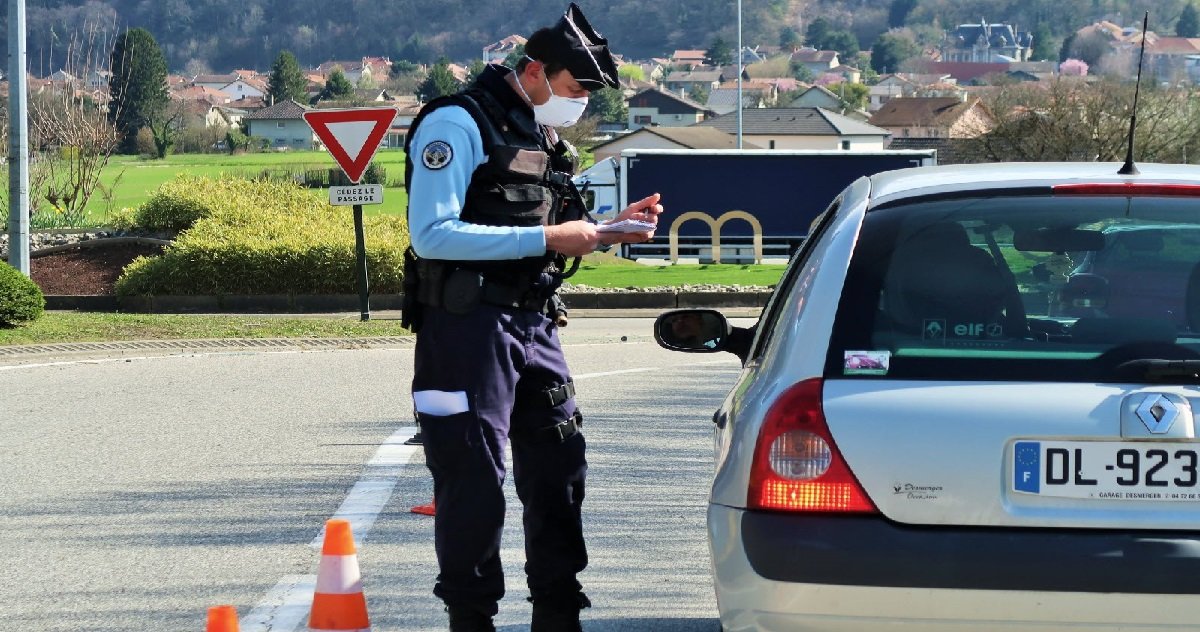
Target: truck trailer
<point x="742" y="198"/>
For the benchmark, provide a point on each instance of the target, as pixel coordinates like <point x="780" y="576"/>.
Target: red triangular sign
<point x="351" y="136"/>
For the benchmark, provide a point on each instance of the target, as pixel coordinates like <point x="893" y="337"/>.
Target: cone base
<point x="424" y="510"/>
<point x="345" y="613"/>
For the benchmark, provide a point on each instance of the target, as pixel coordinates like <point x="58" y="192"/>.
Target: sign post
<point x="352" y="137"/>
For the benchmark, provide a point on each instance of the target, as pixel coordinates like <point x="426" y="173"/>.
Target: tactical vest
<point x="524" y="182"/>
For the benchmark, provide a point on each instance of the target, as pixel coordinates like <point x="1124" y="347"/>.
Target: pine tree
<point x="719" y="52"/>
<point x="439" y="83"/>
<point x="1189" y="22"/>
<point x="287" y="80"/>
<point x="138" y="87"/>
<point x="337" y="86"/>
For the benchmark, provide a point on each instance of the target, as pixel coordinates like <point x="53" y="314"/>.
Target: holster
<point x="412" y="312"/>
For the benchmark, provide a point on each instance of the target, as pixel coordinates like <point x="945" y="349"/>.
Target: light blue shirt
<point x="438" y="191"/>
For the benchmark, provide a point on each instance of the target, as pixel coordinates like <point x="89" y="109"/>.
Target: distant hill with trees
<point x="218" y="35"/>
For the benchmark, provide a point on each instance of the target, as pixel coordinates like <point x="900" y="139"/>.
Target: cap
<point x="583" y="51"/>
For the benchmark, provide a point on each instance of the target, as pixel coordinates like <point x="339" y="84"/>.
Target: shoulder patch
<point x="437" y="154"/>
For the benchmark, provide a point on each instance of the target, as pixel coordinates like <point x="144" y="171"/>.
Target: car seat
<point x="940" y="284"/>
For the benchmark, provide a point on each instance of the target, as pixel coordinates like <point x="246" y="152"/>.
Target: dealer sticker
<point x="867" y="362"/>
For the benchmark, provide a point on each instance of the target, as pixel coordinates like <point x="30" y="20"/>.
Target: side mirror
<point x="692" y="330"/>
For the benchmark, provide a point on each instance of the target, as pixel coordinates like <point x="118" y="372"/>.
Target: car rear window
<point x="1020" y="287"/>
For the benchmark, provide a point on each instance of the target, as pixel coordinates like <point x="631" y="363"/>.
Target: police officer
<point x="493" y="218"/>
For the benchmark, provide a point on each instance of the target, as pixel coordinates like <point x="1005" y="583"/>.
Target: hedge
<point x="21" y="300"/>
<point x="257" y="237"/>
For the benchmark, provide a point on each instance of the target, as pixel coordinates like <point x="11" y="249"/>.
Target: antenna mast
<point x="1130" y="169"/>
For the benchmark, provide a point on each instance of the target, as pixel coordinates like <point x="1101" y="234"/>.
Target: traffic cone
<point x="426" y="510"/>
<point x="222" y="619"/>
<point x="338" y="602"/>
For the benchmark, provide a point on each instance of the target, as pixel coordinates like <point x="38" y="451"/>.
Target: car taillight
<point x="797" y="466"/>
<point x="1128" y="188"/>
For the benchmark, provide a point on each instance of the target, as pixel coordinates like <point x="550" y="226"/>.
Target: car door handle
<point x="719" y="418"/>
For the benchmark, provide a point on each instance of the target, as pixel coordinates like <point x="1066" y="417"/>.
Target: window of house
<point x="279" y="125"/>
<point x="846" y="144"/>
<point x="772" y="146"/>
<point x="641" y="119"/>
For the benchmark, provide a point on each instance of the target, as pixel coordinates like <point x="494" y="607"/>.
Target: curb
<point x="320" y="303"/>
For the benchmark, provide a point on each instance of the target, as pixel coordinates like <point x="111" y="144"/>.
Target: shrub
<point x="263" y="237"/>
<point x="21" y="300"/>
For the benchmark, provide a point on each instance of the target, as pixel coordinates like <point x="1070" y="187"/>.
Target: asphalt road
<point x="138" y="490"/>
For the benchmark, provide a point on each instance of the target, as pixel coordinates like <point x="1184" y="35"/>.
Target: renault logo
<point x="1158" y="413"/>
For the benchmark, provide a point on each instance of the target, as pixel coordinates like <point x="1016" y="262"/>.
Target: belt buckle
<point x="566" y="429"/>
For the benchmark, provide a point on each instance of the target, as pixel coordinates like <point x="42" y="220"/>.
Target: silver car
<point x="946" y="422"/>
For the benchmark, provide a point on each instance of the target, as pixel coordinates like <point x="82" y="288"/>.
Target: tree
<point x="608" y="104"/>
<point x="1075" y="120"/>
<point x="337" y="87"/>
<point x="1189" y="22"/>
<point x="854" y="96"/>
<point x="817" y="32"/>
<point x="1043" y="45"/>
<point x="789" y="39"/>
<point x="899" y="11"/>
<point x="476" y="69"/>
<point x="515" y="57"/>
<point x="287" y="80"/>
<point x="631" y="72"/>
<point x="138" y="86"/>
<point x="822" y="36"/>
<point x="165" y="126"/>
<point x="439" y="83"/>
<point x="719" y="52"/>
<point x="891" y="50"/>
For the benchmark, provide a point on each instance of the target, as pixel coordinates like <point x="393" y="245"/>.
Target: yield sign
<point x="351" y="136"/>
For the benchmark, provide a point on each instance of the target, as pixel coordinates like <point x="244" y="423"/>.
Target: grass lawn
<point x="629" y="274"/>
<point x="140" y="177"/>
<point x="94" y="327"/>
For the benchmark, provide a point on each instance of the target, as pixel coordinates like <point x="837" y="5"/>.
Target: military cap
<point x="583" y="51"/>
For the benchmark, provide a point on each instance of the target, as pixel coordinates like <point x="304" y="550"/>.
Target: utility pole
<point x="18" y="140"/>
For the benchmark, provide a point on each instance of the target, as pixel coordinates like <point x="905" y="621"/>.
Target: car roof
<point x="891" y="186"/>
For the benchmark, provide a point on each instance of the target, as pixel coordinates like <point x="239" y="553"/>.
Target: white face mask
<point x="557" y="111"/>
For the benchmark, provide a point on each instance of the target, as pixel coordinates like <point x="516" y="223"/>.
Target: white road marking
<point x="285" y="608"/>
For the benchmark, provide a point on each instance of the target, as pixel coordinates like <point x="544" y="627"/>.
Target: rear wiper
<point x="1165" y="371"/>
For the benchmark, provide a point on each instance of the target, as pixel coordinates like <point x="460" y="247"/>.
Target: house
<point x="248" y="104"/>
<point x="246" y="87"/>
<point x="986" y="43"/>
<point x="99" y="79"/>
<point x="497" y="52"/>
<point x="966" y="72"/>
<point x="846" y="73"/>
<point x="283" y="126"/>
<point x="206" y="115"/>
<point x="765" y="91"/>
<point x="818" y="62"/>
<point x="688" y="58"/>
<point x="934" y="117"/>
<point x="801" y="128"/>
<point x="690" y="82"/>
<point x="817" y="97"/>
<point x="216" y="82"/>
<point x="911" y="85"/>
<point x="367" y="69"/>
<point x="1173" y="59"/>
<point x="725" y="100"/>
<point x="201" y="93"/>
<point x="752" y="55"/>
<point x="669" y="138"/>
<point x="654" y="107"/>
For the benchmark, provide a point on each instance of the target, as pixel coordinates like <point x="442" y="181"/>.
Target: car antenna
<point x="1130" y="169"/>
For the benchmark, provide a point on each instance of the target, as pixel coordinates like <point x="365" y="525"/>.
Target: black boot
<point x="559" y="614"/>
<point x="463" y="619"/>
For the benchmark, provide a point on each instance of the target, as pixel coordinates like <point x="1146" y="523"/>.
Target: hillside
<point x="226" y="34"/>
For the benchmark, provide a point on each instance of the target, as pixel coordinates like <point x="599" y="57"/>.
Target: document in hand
<point x="626" y="226"/>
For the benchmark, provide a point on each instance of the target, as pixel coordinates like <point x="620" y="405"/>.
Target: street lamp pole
<point x="739" y="71"/>
<point x="18" y="140"/>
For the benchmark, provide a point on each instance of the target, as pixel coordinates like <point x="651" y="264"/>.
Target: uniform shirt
<point x="446" y="150"/>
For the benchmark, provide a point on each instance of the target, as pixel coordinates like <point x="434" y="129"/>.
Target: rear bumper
<point x="794" y="572"/>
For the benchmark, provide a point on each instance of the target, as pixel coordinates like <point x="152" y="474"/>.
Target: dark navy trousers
<point x="479" y="383"/>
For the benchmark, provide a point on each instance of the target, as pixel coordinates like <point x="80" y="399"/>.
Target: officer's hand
<point x="573" y="239"/>
<point x="645" y="210"/>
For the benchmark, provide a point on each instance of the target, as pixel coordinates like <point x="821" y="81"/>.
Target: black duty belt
<point x="502" y="295"/>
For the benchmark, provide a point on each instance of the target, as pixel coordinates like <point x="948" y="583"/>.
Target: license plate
<point x="1108" y="470"/>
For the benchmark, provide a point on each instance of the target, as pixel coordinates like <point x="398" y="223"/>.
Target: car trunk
<point x="1009" y="454"/>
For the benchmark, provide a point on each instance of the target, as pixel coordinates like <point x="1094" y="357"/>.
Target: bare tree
<point x="71" y="139"/>
<point x="1074" y="120"/>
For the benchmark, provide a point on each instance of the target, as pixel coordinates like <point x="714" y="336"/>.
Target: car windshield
<point x="1020" y="287"/>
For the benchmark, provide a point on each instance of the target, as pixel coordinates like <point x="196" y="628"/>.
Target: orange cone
<point x="222" y="619"/>
<point x="426" y="510"/>
<point x="338" y="603"/>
